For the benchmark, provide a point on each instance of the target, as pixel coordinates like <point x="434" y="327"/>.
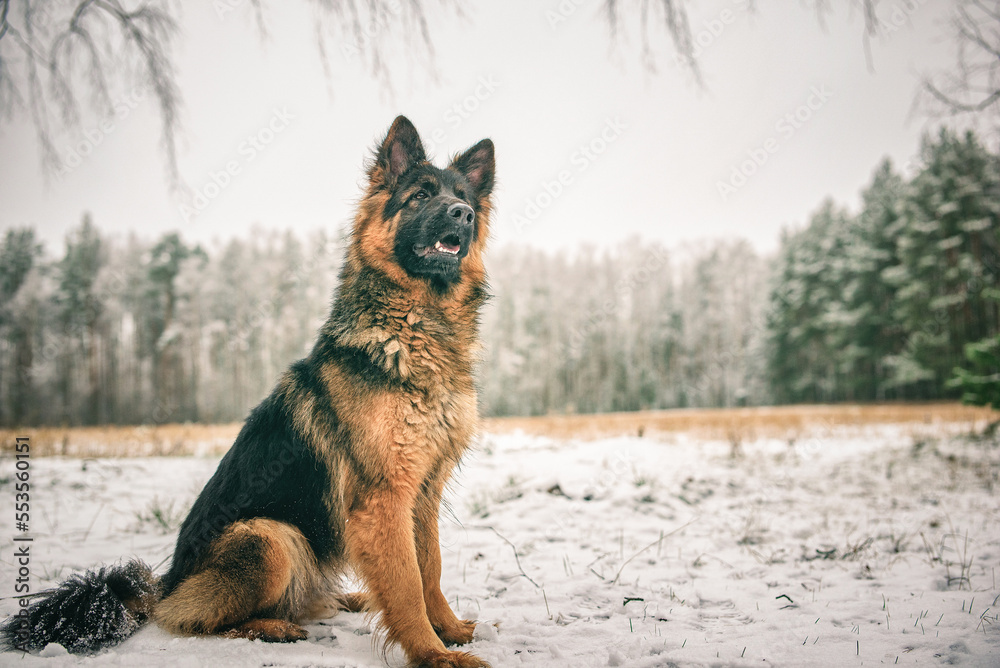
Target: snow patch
<point x="851" y="548"/>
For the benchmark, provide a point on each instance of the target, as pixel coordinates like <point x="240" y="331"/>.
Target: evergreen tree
<point x="79" y="311"/>
<point x="873" y="306"/>
<point x="19" y="325"/>
<point x="948" y="261"/>
<point x="171" y="376"/>
<point x="873" y="334"/>
<point x="808" y="320"/>
<point x="980" y="384"/>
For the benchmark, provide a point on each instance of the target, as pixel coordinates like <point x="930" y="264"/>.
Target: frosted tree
<point x="807" y="318"/>
<point x="949" y="259"/>
<point x="168" y="332"/>
<point x="20" y="313"/>
<point x="79" y="314"/>
<point x="873" y="334"/>
<point x="719" y="304"/>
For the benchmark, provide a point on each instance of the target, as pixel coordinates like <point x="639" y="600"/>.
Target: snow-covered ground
<point x="861" y="547"/>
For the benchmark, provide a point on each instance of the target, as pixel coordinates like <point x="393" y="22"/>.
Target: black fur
<point x="86" y="612"/>
<point x="269" y="472"/>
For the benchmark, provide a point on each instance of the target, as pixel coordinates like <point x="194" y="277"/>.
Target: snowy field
<point x="861" y="546"/>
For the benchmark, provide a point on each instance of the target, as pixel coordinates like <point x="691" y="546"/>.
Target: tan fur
<point x="411" y="442"/>
<point x="257" y="567"/>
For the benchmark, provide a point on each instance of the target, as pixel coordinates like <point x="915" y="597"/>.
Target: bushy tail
<point x="86" y="612"/>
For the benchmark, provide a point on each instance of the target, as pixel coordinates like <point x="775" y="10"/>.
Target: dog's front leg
<point x="380" y="546"/>
<point x="450" y="628"/>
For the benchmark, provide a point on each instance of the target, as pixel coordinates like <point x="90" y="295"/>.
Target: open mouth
<point x="449" y="245"/>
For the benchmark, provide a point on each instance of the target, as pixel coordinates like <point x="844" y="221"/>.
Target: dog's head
<point x="422" y="223"/>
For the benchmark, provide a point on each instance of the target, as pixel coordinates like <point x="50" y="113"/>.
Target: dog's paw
<point x="458" y="633"/>
<point x="268" y="630"/>
<point x="451" y="660"/>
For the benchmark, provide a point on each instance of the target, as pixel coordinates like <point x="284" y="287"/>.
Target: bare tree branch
<point x="149" y="30"/>
<point x="52" y="53"/>
<point x="4" y="9"/>
<point x="972" y="90"/>
<point x="962" y="107"/>
<point x="258" y="13"/>
<point x="674" y="19"/>
<point x="56" y="49"/>
<point x="39" y="112"/>
<point x="676" y="25"/>
<point x="365" y="30"/>
<point x="871" y="30"/>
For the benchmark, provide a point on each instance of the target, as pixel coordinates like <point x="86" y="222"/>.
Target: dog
<point x="343" y="466"/>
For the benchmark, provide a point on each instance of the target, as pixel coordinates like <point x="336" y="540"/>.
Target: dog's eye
<point x="421" y="194"/>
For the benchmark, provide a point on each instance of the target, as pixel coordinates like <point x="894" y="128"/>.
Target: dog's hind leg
<point x="245" y="585"/>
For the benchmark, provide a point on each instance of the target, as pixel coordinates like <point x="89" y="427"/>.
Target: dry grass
<point x="734" y="425"/>
<point x="738" y="425"/>
<point x="116" y="441"/>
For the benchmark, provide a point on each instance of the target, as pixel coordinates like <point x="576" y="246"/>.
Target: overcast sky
<point x="591" y="147"/>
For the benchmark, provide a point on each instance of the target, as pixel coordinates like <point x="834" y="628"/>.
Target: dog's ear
<point x="478" y="166"/>
<point x="400" y="150"/>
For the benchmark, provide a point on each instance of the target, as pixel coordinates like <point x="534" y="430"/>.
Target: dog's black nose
<point x="462" y="213"/>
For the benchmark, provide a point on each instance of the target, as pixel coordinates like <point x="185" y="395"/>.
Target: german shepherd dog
<point x="344" y="464"/>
